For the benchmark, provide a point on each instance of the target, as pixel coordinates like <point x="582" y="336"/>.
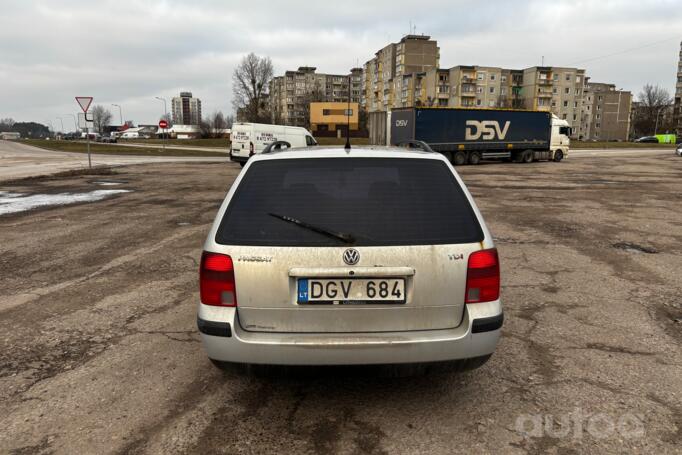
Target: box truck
<point x="470" y="135"/>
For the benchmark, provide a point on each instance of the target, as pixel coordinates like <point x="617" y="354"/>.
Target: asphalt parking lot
<point x="99" y="352"/>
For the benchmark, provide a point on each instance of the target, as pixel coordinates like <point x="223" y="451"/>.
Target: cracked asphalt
<point x="99" y="352"/>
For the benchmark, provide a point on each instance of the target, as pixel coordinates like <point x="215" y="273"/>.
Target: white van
<point x="249" y="139"/>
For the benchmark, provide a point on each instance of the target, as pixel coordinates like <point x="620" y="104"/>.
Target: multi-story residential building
<point x="394" y="72"/>
<point x="291" y="94"/>
<point x="186" y="110"/>
<point x="485" y="87"/>
<point x="677" y="110"/>
<point x="555" y="89"/>
<point x="605" y="114"/>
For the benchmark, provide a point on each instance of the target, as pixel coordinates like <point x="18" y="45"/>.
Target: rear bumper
<point x="476" y="336"/>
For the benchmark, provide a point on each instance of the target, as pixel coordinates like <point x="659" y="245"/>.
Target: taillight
<point x="250" y="148"/>
<point x="483" y="277"/>
<point x="216" y="280"/>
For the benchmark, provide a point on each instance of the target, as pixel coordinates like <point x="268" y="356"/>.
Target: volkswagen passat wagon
<point x="371" y="256"/>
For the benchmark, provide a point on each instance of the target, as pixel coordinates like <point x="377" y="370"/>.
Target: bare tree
<point x="250" y="82"/>
<point x="6" y="124"/>
<point x="101" y="118"/>
<point x="652" y="103"/>
<point x="215" y="123"/>
<point x="229" y="121"/>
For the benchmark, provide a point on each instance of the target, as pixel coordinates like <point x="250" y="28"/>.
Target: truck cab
<point x="560" y="139"/>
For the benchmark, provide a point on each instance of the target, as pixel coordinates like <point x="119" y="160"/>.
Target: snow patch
<point x="18" y="202"/>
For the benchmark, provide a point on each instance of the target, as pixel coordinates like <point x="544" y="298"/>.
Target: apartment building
<point x="605" y="114"/>
<point x="292" y="93"/>
<point x="484" y="87"/>
<point x="677" y="109"/>
<point x="393" y="72"/>
<point x="555" y="89"/>
<point x="186" y="110"/>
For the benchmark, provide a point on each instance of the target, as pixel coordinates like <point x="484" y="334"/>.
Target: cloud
<point x="128" y="52"/>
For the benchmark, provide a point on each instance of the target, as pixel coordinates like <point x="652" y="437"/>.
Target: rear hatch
<point x="349" y="245"/>
<point x="241" y="142"/>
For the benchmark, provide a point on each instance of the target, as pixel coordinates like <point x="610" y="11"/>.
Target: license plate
<point x="347" y="291"/>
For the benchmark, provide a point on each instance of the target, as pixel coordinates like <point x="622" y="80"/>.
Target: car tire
<point x="459" y="159"/>
<point x="527" y="156"/>
<point x="475" y="158"/>
<point x="558" y="156"/>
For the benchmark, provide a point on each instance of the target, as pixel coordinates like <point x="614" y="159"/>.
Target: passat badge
<point x="351" y="256"/>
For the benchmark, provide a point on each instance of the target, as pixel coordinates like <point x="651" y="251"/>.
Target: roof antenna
<point x="347" y="146"/>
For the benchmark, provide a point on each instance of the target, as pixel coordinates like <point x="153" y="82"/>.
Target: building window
<point x="492" y="77"/>
<point x="556" y="76"/>
<point x="553" y="103"/>
<point x="598" y="125"/>
<point x="478" y="102"/>
<point x="555" y="90"/>
<point x="564" y="116"/>
<point x="491" y="103"/>
<point x="565" y="103"/>
<point x="577" y="92"/>
<point x="569" y="76"/>
<point x="479" y="89"/>
<point x="575" y="117"/>
<point x="480" y="76"/>
<point x="492" y="89"/>
<point x="577" y="79"/>
<point x="503" y="78"/>
<point x="599" y="99"/>
<point x="567" y="90"/>
<point x="575" y="104"/>
<point x="598" y="116"/>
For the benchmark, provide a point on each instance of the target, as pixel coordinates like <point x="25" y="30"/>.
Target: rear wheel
<point x="474" y="158"/>
<point x="527" y="156"/>
<point x="558" y="156"/>
<point x="459" y="159"/>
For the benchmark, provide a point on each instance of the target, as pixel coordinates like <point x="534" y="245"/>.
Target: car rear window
<point x="377" y="201"/>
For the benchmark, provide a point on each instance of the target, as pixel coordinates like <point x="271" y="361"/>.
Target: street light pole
<point x="120" y="114"/>
<point x="165" y="113"/>
<point x="660" y="109"/>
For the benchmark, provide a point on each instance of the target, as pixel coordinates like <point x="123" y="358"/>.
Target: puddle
<point x="19" y="202"/>
<point x="634" y="248"/>
<point x="108" y="183"/>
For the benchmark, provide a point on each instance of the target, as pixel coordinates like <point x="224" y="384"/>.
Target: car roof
<point x="365" y="151"/>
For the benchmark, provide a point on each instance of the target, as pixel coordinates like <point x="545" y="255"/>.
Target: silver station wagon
<point x="330" y="257"/>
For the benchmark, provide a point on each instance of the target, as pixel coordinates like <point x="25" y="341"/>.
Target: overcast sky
<point x="127" y="52"/>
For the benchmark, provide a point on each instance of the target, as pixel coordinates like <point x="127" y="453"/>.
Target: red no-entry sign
<point x="163" y="124"/>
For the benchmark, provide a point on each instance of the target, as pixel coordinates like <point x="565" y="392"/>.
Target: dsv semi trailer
<point x="469" y="135"/>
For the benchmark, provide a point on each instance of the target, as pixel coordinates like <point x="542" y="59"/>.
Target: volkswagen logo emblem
<point x="351" y="256"/>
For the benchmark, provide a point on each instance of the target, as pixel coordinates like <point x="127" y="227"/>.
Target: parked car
<point x="249" y="139"/>
<point x="678" y="150"/>
<point x="648" y="139"/>
<point x="371" y="256"/>
<point x="109" y="139"/>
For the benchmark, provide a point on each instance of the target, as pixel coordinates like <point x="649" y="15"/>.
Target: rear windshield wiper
<point x="347" y="238"/>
